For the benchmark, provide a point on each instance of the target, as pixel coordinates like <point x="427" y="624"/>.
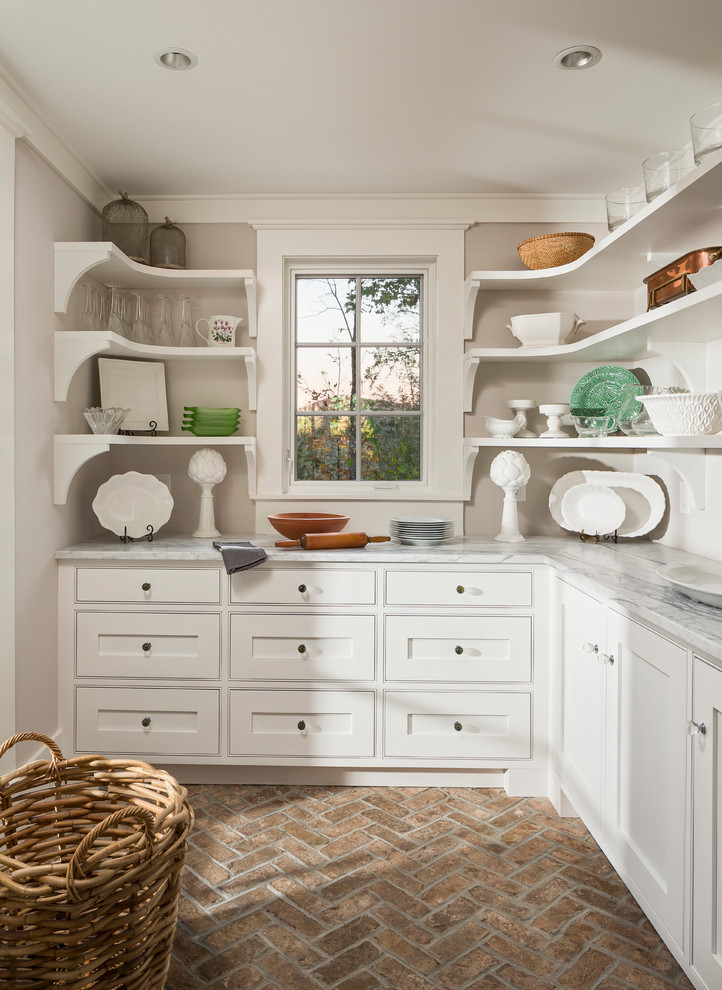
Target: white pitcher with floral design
<point x="221" y="331"/>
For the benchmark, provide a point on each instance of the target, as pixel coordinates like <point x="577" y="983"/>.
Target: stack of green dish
<point x="206" y="421"/>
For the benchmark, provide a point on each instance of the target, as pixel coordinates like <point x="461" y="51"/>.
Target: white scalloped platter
<point x="643" y="498"/>
<point x="127" y="504"/>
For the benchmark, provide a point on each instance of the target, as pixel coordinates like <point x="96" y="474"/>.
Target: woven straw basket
<point x="550" y="250"/>
<point x="91" y="856"/>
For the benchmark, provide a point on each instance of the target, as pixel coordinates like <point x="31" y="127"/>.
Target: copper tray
<point x="672" y="282"/>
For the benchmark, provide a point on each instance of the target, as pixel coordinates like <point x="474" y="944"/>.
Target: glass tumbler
<point x="622" y="204"/>
<point x="663" y="170"/>
<point x="706" y="128"/>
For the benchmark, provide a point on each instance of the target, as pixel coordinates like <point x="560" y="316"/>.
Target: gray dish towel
<point x="240" y="556"/>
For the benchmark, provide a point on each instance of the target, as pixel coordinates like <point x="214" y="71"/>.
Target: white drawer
<point x="304" y="724"/>
<point x="303" y="586"/>
<point x="301" y="647"/>
<point x="458" y="648"/>
<point x="464" y="725"/>
<point x="148" y="584"/>
<point x="147" y="721"/>
<point x="477" y="589"/>
<point x="147" y="644"/>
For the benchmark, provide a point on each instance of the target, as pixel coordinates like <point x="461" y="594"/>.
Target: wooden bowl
<point x="293" y="525"/>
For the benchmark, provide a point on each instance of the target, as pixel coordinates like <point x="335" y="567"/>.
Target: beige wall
<point x="47" y="209"/>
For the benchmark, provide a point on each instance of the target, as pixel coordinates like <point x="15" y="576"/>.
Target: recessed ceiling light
<point x="176" y="58"/>
<point x="579" y="57"/>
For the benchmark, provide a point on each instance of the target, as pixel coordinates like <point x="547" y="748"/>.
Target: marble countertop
<point x="623" y="573"/>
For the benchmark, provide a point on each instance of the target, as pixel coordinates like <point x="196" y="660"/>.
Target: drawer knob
<point x="696" y="728"/>
<point x="458" y="726"/>
<point x="301" y="648"/>
<point x="591" y="648"/>
<point x="301" y="725"/>
<point x="459" y="650"/>
<point x="145" y="722"/>
<point x="460" y="589"/>
<point x="302" y="588"/>
<point x="145" y="586"/>
<point x="146" y="647"/>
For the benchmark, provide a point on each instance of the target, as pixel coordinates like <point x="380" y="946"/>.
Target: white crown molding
<point x="340" y="224"/>
<point x="24" y="122"/>
<point x="336" y="209"/>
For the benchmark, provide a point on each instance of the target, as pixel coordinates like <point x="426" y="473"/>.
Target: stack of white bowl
<point x="421" y="531"/>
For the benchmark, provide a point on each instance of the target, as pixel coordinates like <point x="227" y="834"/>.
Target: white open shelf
<point x="74" y="347"/>
<point x="73" y="259"/>
<point x="73" y="450"/>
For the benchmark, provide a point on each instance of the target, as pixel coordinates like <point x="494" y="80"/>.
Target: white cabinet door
<point x="707" y="814"/>
<point x="645" y="807"/>
<point x="581" y="702"/>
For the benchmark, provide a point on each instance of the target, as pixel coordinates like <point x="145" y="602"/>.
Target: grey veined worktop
<point x="624" y="573"/>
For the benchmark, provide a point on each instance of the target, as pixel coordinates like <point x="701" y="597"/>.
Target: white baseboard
<point x="336" y="776"/>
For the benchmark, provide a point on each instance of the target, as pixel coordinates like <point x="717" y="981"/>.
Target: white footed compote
<point x="207" y="468"/>
<point x="554" y="412"/>
<point x="510" y="471"/>
<point x="520" y="407"/>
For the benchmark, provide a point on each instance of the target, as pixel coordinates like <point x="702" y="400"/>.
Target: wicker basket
<point x="550" y="250"/>
<point x="91" y="856"/>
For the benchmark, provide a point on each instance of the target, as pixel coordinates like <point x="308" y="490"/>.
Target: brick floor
<point x="362" y="888"/>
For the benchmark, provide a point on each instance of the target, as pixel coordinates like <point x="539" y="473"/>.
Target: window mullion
<point x="357" y="358"/>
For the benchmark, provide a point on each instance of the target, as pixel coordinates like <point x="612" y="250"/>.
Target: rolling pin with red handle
<point x="332" y="541"/>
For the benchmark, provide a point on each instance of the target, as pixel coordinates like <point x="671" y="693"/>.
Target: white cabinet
<point x="580" y="701"/>
<point x="104" y="264"/>
<point x="646" y="814"/>
<point x="622" y="749"/>
<point x="706" y="731"/>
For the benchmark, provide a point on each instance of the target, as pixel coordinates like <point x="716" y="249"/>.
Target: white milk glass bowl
<point x="685" y="414"/>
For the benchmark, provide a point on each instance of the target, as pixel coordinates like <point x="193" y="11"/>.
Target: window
<point x="358" y="371"/>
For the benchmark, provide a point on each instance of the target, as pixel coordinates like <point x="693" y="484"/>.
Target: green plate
<point x="602" y="388"/>
<point x="211" y="431"/>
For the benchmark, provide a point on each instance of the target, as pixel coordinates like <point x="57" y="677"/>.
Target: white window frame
<point x="426" y="270"/>
<point x="433" y="246"/>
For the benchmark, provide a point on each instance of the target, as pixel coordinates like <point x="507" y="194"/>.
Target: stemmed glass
<point x="141" y="333"/>
<point x="116" y="317"/>
<point x="164" y="337"/>
<point x="90" y="316"/>
<point x="187" y="337"/>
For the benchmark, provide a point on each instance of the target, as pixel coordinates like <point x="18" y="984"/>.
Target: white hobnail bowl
<point x="685" y="414"/>
<point x="544" y="329"/>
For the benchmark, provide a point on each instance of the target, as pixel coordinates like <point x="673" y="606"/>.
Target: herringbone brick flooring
<point x="359" y="888"/>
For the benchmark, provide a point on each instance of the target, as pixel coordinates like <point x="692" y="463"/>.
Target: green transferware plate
<point x="211" y="431"/>
<point x="212" y="411"/>
<point x="211" y="420"/>
<point x="602" y="388"/>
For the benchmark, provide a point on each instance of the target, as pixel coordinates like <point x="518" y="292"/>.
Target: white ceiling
<point x="456" y="97"/>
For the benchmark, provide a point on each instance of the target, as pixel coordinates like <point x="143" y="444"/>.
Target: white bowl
<point x="502" y="427"/>
<point x="685" y="414"/>
<point x="544" y="329"/>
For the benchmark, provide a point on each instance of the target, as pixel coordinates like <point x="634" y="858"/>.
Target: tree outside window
<point x="358" y="365"/>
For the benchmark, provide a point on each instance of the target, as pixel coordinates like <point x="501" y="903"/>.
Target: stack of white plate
<point x="421" y="531"/>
